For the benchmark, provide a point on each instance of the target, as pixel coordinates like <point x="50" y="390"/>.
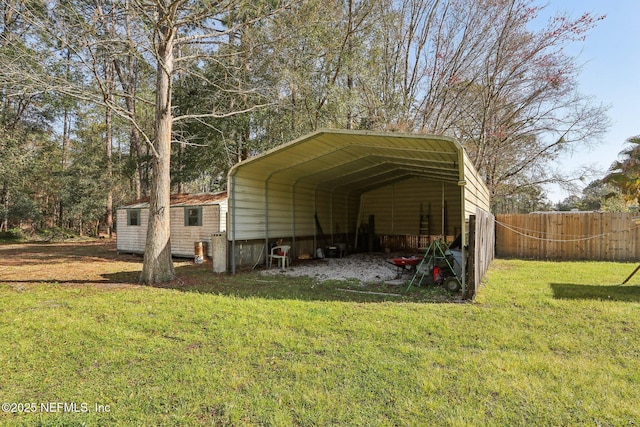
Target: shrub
<point x="12" y="235"/>
<point x="56" y="234"/>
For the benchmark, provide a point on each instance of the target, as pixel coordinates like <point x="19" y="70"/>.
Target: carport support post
<point x="470" y="292"/>
<point x="372" y="232"/>
<point x="443" y="213"/>
<point x="232" y="184"/>
<point x="462" y="183"/>
<point x="293" y="218"/>
<point x="267" y="250"/>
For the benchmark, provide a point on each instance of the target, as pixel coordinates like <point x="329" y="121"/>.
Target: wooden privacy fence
<point x="601" y="236"/>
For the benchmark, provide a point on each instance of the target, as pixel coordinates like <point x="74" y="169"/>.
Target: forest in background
<point x="79" y="92"/>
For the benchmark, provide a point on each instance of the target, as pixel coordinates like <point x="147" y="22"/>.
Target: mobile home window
<point x="193" y="216"/>
<point x="133" y="217"/>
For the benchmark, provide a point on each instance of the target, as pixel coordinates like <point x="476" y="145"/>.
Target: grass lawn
<point x="81" y="344"/>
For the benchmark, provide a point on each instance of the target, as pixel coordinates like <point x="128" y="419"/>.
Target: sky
<point x="610" y="58"/>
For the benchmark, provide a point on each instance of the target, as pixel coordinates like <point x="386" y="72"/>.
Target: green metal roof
<point x="356" y="160"/>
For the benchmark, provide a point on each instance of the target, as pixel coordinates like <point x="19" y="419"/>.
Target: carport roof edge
<point x="335" y="158"/>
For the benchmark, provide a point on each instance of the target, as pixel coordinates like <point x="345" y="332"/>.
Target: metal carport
<point x="278" y="193"/>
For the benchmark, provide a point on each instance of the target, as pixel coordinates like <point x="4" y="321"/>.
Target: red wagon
<point x="411" y="261"/>
<point x="405" y="263"/>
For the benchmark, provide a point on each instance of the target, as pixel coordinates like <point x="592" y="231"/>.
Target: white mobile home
<point x="194" y="218"/>
<point x="321" y="188"/>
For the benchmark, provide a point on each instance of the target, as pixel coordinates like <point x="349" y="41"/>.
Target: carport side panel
<point x="303" y="205"/>
<point x="279" y="203"/>
<point x="337" y="214"/>
<point x="247" y="209"/>
<point x="398" y="207"/>
<point x="477" y="194"/>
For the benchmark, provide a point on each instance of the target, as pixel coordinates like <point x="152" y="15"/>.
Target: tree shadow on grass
<point x="624" y="293"/>
<point x="108" y="281"/>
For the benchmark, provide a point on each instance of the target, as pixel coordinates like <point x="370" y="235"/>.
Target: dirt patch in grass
<point x="362" y="278"/>
<point x="72" y="263"/>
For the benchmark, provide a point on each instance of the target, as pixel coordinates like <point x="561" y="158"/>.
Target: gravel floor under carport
<point x="364" y="267"/>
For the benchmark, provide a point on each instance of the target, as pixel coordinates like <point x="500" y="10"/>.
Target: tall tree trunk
<point x="350" y="30"/>
<point x="63" y="162"/>
<point x="139" y="177"/>
<point x="66" y="138"/>
<point x="110" y="81"/>
<point x="109" y="149"/>
<point x="128" y="77"/>
<point x="158" y="265"/>
<point x="4" y="201"/>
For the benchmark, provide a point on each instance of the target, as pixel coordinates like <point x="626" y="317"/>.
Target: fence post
<point x="471" y="265"/>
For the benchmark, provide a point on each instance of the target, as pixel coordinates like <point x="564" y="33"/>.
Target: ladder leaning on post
<point x="434" y="252"/>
